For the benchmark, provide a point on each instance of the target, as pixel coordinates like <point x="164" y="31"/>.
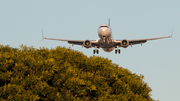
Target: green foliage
<point x="64" y="74"/>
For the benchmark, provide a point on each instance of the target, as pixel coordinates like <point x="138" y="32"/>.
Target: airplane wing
<point x="138" y="41"/>
<point x="76" y="42"/>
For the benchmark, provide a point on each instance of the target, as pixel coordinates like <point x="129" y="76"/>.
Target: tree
<point x="57" y="74"/>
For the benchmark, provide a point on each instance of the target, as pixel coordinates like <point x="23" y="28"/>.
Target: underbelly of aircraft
<point x="108" y="49"/>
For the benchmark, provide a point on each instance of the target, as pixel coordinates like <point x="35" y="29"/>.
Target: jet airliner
<point x="106" y="42"/>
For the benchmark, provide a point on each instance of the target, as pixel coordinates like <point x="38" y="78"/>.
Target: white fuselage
<point x="106" y="41"/>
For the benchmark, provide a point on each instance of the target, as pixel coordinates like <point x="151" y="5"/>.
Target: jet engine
<point x="125" y="43"/>
<point x="87" y="44"/>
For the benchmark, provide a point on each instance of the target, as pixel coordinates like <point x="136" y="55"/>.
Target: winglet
<point x="109" y="22"/>
<point x="43" y="36"/>
<point x="172" y="34"/>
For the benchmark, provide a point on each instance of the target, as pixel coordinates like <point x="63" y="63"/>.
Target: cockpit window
<point x="104" y="26"/>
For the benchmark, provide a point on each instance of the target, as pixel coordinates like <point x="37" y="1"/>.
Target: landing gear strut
<point x="95" y="51"/>
<point x="117" y="50"/>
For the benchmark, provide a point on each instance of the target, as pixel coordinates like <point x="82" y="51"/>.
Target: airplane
<point x="106" y="42"/>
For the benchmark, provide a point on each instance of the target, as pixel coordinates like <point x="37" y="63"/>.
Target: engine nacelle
<point x="125" y="43"/>
<point x="87" y="44"/>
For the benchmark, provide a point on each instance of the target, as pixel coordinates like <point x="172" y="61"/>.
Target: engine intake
<point x="125" y="43"/>
<point x="87" y="44"/>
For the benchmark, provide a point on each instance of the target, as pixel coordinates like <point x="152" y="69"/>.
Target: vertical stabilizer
<point x="109" y="22"/>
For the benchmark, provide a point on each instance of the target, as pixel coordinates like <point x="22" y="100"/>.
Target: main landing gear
<point x="95" y="51"/>
<point x="117" y="50"/>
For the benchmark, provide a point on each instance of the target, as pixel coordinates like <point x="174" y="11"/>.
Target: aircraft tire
<point x="119" y="51"/>
<point x="116" y="51"/>
<point x="94" y="51"/>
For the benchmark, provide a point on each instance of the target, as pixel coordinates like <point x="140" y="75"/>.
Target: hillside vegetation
<point x="63" y="74"/>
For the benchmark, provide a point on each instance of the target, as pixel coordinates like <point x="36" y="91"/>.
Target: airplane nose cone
<point x="102" y="29"/>
<point x="103" y="32"/>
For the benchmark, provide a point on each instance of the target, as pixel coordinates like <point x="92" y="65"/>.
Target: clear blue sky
<point x="21" y="22"/>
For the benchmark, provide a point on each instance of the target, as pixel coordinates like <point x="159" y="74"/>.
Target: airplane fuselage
<point x="106" y="41"/>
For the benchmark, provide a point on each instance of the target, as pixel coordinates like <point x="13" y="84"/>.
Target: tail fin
<point x="109" y="22"/>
